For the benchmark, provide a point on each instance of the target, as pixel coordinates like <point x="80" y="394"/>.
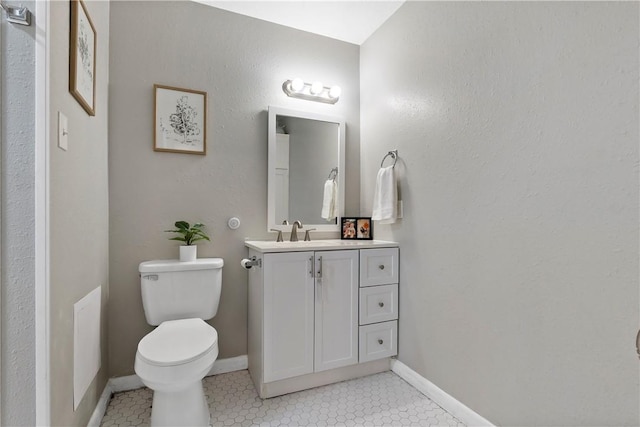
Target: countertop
<point x="265" y="246"/>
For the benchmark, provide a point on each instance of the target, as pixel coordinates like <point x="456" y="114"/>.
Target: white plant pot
<point x="188" y="253"/>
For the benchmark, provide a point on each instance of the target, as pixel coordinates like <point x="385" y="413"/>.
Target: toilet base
<point x="184" y="407"/>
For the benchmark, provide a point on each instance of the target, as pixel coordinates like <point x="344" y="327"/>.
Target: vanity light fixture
<point x="315" y="91"/>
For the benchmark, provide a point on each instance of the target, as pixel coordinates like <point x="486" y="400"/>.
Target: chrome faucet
<point x="294" y="231"/>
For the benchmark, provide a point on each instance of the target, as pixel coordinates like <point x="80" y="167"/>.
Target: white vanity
<point x="320" y="312"/>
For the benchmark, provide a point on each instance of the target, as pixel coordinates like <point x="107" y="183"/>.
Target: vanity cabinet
<point x="310" y="312"/>
<point x="320" y="316"/>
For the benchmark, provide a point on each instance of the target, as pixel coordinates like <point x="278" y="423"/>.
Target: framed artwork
<point x="82" y="60"/>
<point x="180" y="124"/>
<point x="357" y="228"/>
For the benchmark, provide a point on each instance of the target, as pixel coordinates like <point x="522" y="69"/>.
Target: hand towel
<point x="330" y="200"/>
<point x="385" y="197"/>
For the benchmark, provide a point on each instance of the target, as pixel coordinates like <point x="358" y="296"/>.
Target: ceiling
<point x="347" y="20"/>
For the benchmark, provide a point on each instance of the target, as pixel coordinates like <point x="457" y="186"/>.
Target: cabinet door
<point x="336" y="326"/>
<point x="288" y="315"/>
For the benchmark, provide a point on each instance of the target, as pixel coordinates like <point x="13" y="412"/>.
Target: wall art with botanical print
<point x="180" y="120"/>
<point x="82" y="57"/>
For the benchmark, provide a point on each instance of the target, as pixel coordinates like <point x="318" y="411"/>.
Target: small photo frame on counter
<point x="356" y="228"/>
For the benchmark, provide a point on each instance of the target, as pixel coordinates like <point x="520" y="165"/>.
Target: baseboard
<point x="101" y="406"/>
<point x="133" y="382"/>
<point x="130" y="382"/>
<point x="439" y="396"/>
<point x="231" y="364"/>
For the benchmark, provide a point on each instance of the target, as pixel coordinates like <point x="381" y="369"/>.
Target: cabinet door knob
<point x="381" y="266"/>
<point x="380" y="342"/>
<point x="381" y="304"/>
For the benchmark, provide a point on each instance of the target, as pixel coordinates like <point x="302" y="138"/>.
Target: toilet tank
<point x="174" y="290"/>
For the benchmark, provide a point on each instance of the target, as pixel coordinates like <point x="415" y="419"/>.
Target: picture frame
<point x="356" y="228"/>
<point x="180" y="120"/>
<point x="82" y="57"/>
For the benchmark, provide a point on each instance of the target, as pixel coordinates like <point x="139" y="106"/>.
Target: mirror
<point x="304" y="148"/>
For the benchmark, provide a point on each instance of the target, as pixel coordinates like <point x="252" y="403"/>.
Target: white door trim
<point x="42" y="121"/>
<point x="1" y="199"/>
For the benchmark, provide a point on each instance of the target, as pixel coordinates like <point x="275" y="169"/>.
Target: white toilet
<point x="173" y="359"/>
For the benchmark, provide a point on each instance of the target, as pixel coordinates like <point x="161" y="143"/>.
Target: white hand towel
<point x="330" y="200"/>
<point x="385" y="197"/>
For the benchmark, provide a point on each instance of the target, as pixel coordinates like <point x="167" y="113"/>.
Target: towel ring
<point x="394" y="156"/>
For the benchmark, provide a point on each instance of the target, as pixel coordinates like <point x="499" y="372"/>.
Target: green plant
<point x="189" y="234"/>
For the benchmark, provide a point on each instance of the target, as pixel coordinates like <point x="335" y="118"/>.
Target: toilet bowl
<point x="172" y="360"/>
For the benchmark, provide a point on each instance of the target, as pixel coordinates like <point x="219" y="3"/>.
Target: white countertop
<point x="265" y="246"/>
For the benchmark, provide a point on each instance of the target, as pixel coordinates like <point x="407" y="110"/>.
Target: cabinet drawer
<point x="378" y="266"/>
<point x="378" y="341"/>
<point x="378" y="304"/>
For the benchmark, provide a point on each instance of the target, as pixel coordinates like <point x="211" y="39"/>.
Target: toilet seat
<point x="177" y="342"/>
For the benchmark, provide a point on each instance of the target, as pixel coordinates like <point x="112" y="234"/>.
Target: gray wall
<point x="18" y="221"/>
<point x="517" y="129"/>
<point x="79" y="211"/>
<point x="241" y="62"/>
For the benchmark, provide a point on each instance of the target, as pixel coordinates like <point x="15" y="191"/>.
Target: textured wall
<point x="79" y="210"/>
<point x="517" y="129"/>
<point x="241" y="62"/>
<point x="18" y="221"/>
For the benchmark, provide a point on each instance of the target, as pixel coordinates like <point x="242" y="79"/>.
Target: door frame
<point x="42" y="126"/>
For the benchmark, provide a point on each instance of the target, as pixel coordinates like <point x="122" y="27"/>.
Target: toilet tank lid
<point x="159" y="266"/>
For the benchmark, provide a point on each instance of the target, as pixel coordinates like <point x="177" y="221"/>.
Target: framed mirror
<point x="304" y="149"/>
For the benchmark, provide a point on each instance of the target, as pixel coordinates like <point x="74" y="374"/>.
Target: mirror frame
<point x="271" y="167"/>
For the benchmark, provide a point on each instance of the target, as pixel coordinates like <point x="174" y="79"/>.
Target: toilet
<point x="173" y="359"/>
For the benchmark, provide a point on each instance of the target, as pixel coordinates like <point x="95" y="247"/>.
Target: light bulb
<point x="297" y="85"/>
<point x="335" y="92"/>
<point x="316" y="88"/>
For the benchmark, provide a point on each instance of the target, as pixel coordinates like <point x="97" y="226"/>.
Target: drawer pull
<point x="380" y="342"/>
<point x="381" y="266"/>
<point x="381" y="304"/>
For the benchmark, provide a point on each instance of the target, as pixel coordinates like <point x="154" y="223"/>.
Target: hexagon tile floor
<point x="377" y="400"/>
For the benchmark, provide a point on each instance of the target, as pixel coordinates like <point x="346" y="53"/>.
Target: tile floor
<point x="377" y="400"/>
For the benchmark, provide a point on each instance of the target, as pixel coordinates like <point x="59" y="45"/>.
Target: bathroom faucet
<point x="307" y="236"/>
<point x="294" y="231"/>
<point x="279" y="236"/>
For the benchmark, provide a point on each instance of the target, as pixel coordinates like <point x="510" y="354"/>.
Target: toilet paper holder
<point x="251" y="262"/>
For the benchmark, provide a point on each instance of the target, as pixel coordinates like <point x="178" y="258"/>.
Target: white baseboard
<point x="101" y="407"/>
<point x="439" y="396"/>
<point x="133" y="382"/>
<point x="130" y="382"/>
<point x="231" y="364"/>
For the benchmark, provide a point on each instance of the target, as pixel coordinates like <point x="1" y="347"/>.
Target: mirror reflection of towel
<point x="330" y="200"/>
<point x="385" y="197"/>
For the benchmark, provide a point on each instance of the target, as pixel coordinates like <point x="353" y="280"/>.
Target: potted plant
<point x="189" y="234"/>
